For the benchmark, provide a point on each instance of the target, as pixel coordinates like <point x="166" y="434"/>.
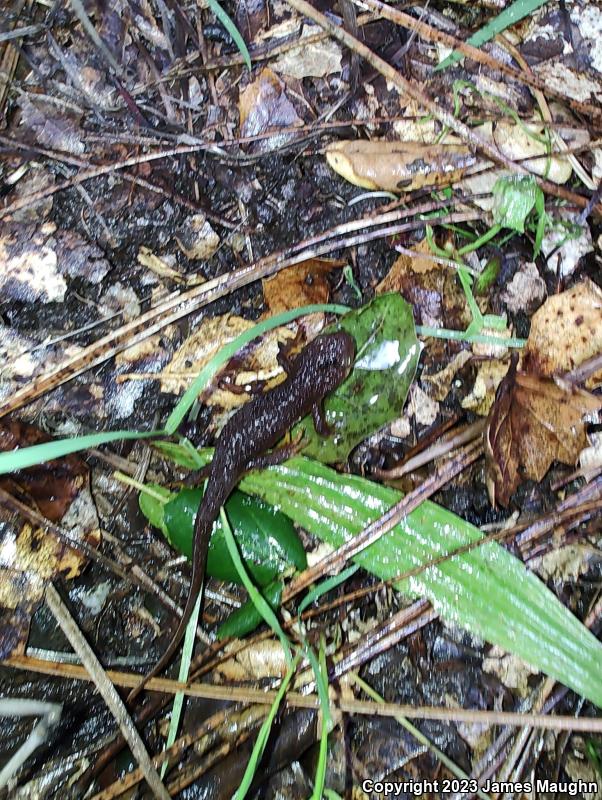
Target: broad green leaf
<point x="374" y="393"/>
<point x="152" y="504"/>
<point x="267" y="538"/>
<point x="487" y="590"/>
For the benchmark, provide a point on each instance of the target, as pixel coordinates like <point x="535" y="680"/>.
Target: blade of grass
<point x="509" y="16"/>
<point x="321" y="675"/>
<point x="178" y="703"/>
<point x="326" y="586"/>
<point x="263" y="736"/>
<point x="24" y="457"/>
<point x="232" y="30"/>
<point x="260" y="603"/>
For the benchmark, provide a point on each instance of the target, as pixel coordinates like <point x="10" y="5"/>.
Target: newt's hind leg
<point x="277" y="456"/>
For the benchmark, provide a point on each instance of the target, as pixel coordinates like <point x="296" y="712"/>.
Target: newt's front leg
<point x="318" y="416"/>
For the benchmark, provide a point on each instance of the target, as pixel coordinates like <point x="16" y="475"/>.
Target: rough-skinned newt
<point x="248" y="436"/>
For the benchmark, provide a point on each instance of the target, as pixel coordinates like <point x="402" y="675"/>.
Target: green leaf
<point x="375" y="391"/>
<point x="487" y="590"/>
<point x="152" y="504"/>
<point x="267" y="538"/>
<point x="509" y="16"/>
<point x="488" y="276"/>
<point x="246" y="618"/>
<point x="514" y="197"/>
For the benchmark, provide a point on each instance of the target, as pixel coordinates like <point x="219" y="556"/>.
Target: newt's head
<point x="332" y="358"/>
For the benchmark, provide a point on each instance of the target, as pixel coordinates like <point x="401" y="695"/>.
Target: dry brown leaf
<point x="50" y="487"/>
<point x="566" y="331"/>
<point x="398" y="166"/>
<point x="431" y="288"/>
<point x="264" y="105"/>
<point x="533" y="422"/>
<point x="300" y="285"/>
<point x="29" y="557"/>
<point x="256" y="661"/>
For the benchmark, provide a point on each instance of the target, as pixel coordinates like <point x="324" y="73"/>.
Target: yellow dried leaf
<point x="256" y="362"/>
<point x="398" y="166"/>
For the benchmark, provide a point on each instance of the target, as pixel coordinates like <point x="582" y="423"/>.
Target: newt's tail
<point x="199" y="562"/>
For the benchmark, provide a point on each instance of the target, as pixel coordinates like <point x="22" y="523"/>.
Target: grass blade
<point x="260" y="603"/>
<point x="232" y="30"/>
<point x="509" y="16"/>
<point x="263" y="736"/>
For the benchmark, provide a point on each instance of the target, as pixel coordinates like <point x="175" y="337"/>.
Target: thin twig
<point x="248" y="695"/>
<point x="431" y="34"/>
<point x="335" y="561"/>
<point x="422" y="98"/>
<point x="95" y="671"/>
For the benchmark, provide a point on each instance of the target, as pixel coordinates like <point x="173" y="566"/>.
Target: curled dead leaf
<point x="264" y="105"/>
<point x="533" y="422"/>
<point x="398" y="166"/>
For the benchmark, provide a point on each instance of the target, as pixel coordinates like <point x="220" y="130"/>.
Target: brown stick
<point x="371" y="533"/>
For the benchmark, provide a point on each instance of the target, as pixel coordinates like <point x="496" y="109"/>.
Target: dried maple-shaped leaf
<point x="299" y="285"/>
<point x="533" y="422"/>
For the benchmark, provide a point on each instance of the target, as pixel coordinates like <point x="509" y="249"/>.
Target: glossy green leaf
<point x="375" y="391"/>
<point x="267" y="538"/>
<point x="246" y="618"/>
<point x="487" y="590"/>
